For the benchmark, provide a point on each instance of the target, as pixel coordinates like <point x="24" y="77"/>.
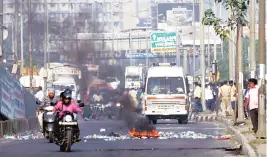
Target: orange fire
<point x="148" y="134"/>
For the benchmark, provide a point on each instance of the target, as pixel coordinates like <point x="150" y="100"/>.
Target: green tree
<point x="237" y="20"/>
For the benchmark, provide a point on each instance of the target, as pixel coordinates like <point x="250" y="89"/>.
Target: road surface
<point x="128" y="148"/>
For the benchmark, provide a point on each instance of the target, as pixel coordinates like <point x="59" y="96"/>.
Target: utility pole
<point x="30" y="44"/>
<point x="252" y="39"/>
<point x="1" y="31"/>
<point x="202" y="52"/>
<point x="221" y="40"/>
<point x="113" y="25"/>
<point x="21" y="46"/>
<point x="261" y="133"/>
<point x="240" y="74"/>
<point x="130" y="46"/>
<point x="185" y="61"/>
<point x="16" y="32"/>
<point x="194" y="42"/>
<point x="214" y="40"/>
<point x="147" y="46"/>
<point x="230" y="57"/>
<point x="45" y="47"/>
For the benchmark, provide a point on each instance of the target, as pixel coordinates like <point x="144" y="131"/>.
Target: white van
<point x="165" y="95"/>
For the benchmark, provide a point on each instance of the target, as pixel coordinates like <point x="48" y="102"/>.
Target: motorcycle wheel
<point x="50" y="137"/>
<point x="69" y="141"/>
<point x="62" y="148"/>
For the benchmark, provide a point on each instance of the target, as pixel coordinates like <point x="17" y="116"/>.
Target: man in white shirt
<point x="252" y="98"/>
<point x="39" y="95"/>
<point x="208" y="97"/>
<point x="97" y="97"/>
<point x="133" y="94"/>
<point x="197" y="96"/>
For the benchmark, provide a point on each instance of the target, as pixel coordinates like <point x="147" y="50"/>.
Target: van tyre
<point x="183" y="121"/>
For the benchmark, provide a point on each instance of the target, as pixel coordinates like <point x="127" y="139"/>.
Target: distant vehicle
<point x="134" y="77"/>
<point x="113" y="82"/>
<point x="166" y="93"/>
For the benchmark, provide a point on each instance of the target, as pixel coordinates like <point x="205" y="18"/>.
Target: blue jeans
<point x="198" y="105"/>
<point x="209" y="104"/>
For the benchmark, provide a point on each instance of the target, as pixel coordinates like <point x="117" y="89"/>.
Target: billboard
<point x="144" y="23"/>
<point x="177" y="14"/>
<point x="163" y="41"/>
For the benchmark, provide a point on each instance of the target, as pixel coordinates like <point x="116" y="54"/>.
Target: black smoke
<point x="132" y="115"/>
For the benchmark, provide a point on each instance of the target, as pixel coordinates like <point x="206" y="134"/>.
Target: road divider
<point x="17" y="126"/>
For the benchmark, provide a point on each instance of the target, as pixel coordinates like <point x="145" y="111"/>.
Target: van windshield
<point x="165" y="85"/>
<point x="132" y="78"/>
<point x="63" y="87"/>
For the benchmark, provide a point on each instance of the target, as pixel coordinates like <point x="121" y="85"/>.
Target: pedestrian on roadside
<point x="208" y="97"/>
<point x="39" y="96"/>
<point x="215" y="92"/>
<point x="225" y="94"/>
<point x="233" y="96"/>
<point x="252" y="99"/>
<point x="246" y="108"/>
<point x="197" y="96"/>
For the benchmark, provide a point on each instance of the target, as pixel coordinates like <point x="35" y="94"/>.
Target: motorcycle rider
<point x="48" y="101"/>
<point x="97" y="97"/>
<point x="66" y="105"/>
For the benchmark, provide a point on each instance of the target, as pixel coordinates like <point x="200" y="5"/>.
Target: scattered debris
<point x="29" y="135"/>
<point x="160" y="135"/>
<point x="102" y="130"/>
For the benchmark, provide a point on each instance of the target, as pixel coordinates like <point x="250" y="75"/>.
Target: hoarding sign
<point x="163" y="42"/>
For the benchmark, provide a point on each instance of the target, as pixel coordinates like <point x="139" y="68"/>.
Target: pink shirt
<point x="72" y="107"/>
<point x="253" y="96"/>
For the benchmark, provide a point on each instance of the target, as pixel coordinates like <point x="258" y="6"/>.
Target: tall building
<point x="68" y="17"/>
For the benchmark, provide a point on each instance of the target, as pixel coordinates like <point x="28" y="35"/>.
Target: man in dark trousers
<point x="252" y="99"/>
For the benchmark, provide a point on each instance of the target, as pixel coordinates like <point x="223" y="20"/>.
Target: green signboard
<point x="163" y="41"/>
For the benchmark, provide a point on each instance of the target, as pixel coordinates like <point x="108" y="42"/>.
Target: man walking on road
<point x="225" y="94"/>
<point x="197" y="96"/>
<point x="233" y="96"/>
<point x="39" y="96"/>
<point x="253" y="100"/>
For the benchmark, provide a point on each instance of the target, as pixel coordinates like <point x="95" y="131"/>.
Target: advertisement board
<point x="18" y="100"/>
<point x="144" y="23"/>
<point x="66" y="71"/>
<point x="7" y="106"/>
<point x="163" y="42"/>
<point x="178" y="14"/>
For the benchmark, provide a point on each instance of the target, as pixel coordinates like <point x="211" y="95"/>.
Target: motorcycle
<point x="48" y="123"/>
<point x="68" y="131"/>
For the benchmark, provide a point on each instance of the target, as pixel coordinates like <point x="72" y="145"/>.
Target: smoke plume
<point x="132" y="116"/>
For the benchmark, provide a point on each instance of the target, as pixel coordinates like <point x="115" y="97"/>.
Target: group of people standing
<point x="221" y="98"/>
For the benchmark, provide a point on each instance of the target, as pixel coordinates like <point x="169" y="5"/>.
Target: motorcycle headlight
<point x="68" y="118"/>
<point x="118" y="104"/>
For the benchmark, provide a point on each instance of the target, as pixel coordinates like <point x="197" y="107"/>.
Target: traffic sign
<point x="163" y="41"/>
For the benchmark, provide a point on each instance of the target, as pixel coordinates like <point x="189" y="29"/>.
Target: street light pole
<point x="30" y="45"/>
<point x="21" y="46"/>
<point x="146" y="46"/>
<point x="16" y="32"/>
<point x="45" y="48"/>
<point x="1" y="31"/>
<point x="252" y="39"/>
<point x="261" y="133"/>
<point x="202" y="52"/>
<point x="194" y="42"/>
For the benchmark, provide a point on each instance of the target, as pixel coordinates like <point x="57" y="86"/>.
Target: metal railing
<point x="11" y="127"/>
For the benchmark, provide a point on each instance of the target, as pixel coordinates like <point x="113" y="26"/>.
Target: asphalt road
<point x="128" y="148"/>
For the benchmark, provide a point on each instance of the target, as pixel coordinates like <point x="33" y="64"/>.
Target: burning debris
<point x="147" y="134"/>
<point x="134" y="135"/>
<point x="132" y="116"/>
